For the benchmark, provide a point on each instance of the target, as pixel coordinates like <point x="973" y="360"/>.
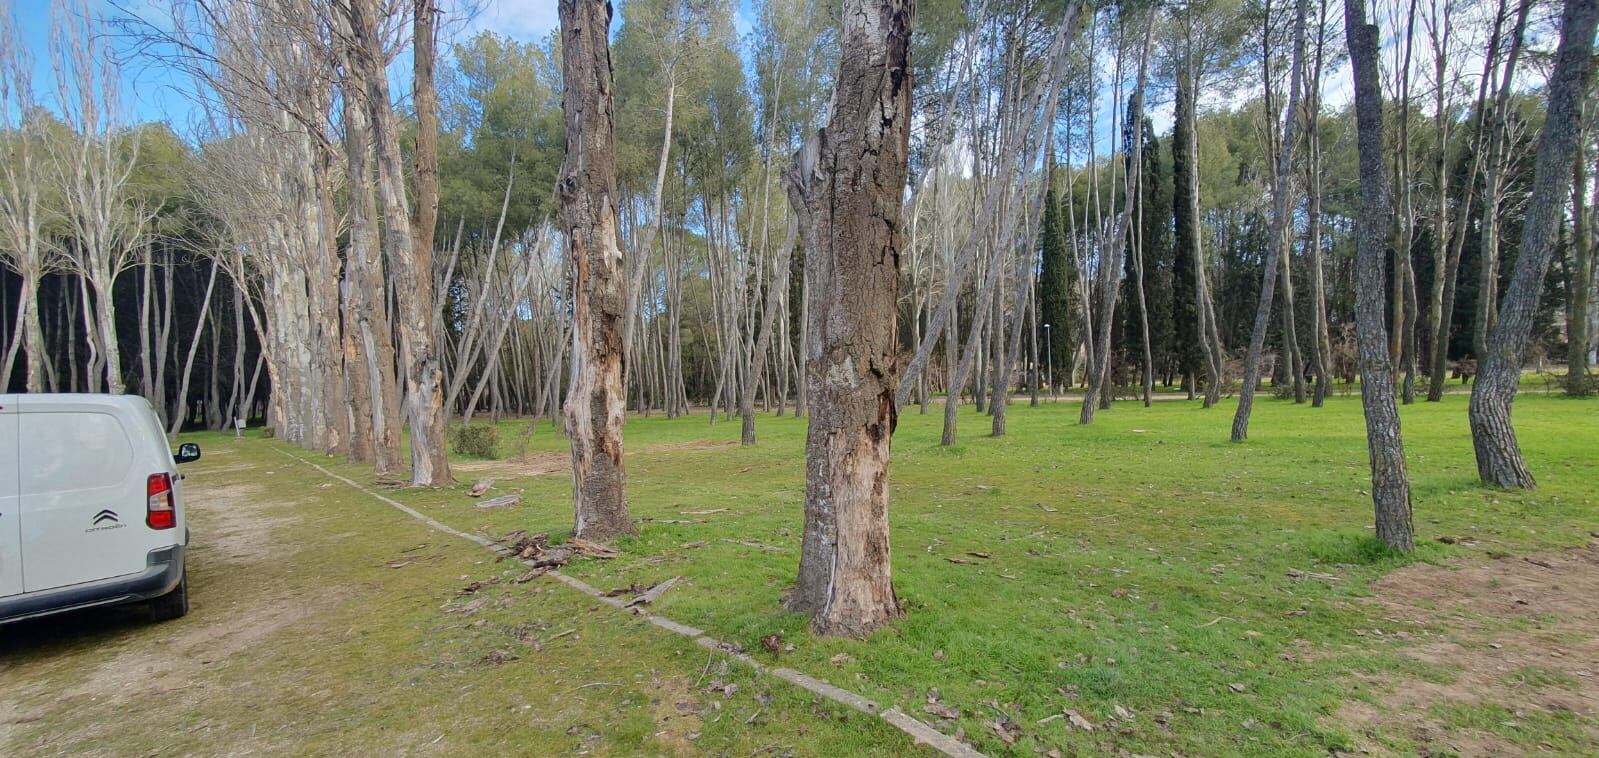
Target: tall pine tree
<point x="1055" y="286"/>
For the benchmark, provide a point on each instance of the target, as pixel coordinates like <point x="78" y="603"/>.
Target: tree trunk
<point x="163" y="339"/>
<point x="357" y="372"/>
<point x="410" y="257"/>
<point x="146" y="374"/>
<point x="430" y="464"/>
<point x="1322" y="351"/>
<point x="801" y="165"/>
<point x="1115" y="247"/>
<point x="235" y="402"/>
<point x="1390" y="481"/>
<point x="1024" y="285"/>
<point x="986" y="214"/>
<point x="1186" y="226"/>
<point x="1582" y="256"/>
<point x="188" y="363"/>
<point x="1290" y="335"/>
<point x="855" y="203"/>
<point x="635" y="283"/>
<point x="1499" y="460"/>
<point x="366" y="291"/>
<point x="27" y="334"/>
<point x="596" y="400"/>
<point x="1277" y="241"/>
<point x="213" y="414"/>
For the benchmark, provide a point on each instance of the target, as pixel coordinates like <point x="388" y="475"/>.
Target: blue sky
<point x="151" y="93"/>
<point x="154" y="93"/>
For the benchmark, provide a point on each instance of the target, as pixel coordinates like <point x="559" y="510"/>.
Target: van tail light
<point x="161" y="513"/>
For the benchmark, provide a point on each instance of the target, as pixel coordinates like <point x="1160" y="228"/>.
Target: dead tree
<point x="23" y="247"/>
<point x="596" y="402"/>
<point x="853" y="281"/>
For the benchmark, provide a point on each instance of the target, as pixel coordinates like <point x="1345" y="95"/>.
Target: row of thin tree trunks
<point x="518" y="368"/>
<point x="65" y="362"/>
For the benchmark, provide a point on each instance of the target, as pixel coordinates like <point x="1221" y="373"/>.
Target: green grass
<point x="1140" y="562"/>
<point x="303" y="640"/>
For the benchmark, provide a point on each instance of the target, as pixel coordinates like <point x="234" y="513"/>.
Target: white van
<point x="91" y="506"/>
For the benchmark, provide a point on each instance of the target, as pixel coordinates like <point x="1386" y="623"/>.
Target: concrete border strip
<point x="919" y="731"/>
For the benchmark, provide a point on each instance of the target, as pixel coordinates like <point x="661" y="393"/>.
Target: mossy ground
<point x="1182" y="593"/>
<point x="304" y="640"/>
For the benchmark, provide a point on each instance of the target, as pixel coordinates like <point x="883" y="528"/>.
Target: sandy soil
<point x="132" y="659"/>
<point x="1518" y="632"/>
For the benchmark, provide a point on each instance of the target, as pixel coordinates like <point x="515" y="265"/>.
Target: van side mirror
<point x="187" y="452"/>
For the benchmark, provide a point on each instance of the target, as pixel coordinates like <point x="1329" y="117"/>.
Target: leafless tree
<point x="91" y="166"/>
<point x="856" y="205"/>
<point x="23" y="214"/>
<point x="596" y="400"/>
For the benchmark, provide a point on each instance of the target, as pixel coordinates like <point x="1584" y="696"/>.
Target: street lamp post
<point x="1049" y="354"/>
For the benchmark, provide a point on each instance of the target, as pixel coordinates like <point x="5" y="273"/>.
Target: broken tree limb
<point x="503" y="501"/>
<point x="654" y="593"/>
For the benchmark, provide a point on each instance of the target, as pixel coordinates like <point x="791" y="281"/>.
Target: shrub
<point x="478" y="440"/>
<point x="267" y="433"/>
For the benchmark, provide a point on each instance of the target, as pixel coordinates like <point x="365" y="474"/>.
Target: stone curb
<point x="919" y="731"/>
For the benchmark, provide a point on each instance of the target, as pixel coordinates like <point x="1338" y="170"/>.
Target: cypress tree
<point x="1054" y="296"/>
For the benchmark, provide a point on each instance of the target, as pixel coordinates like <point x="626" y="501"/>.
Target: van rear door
<point x="83" y="499"/>
<point x="10" y="501"/>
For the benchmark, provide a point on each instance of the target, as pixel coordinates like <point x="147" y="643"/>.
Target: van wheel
<point x="173" y="605"/>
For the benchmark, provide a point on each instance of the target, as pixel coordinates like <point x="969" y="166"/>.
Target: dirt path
<point x="1519" y="642"/>
<point x="324" y="623"/>
<point x="131" y="658"/>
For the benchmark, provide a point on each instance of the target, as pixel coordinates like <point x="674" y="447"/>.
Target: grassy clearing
<point x="1180" y="592"/>
<point x="303" y="640"/>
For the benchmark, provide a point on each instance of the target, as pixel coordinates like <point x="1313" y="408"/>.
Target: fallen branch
<point x="1294" y="573"/>
<point x="503" y="501"/>
<point x="654" y="593"/>
<point x="756" y="545"/>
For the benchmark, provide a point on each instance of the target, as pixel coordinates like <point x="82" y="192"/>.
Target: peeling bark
<point x="596" y="400"/>
<point x="853" y="280"/>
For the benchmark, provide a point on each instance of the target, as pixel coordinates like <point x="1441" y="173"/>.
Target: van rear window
<point x="72" y="451"/>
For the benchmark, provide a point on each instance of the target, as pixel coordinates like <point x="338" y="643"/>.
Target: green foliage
<point x="161" y="175"/>
<point x="1106" y="574"/>
<point x="501" y="111"/>
<point x="476" y="440"/>
<point x="1154" y="245"/>
<point x="1055" y="287"/>
<point x="1185" y="239"/>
